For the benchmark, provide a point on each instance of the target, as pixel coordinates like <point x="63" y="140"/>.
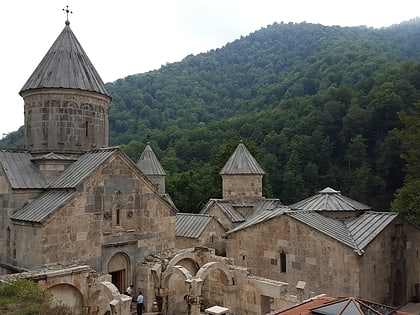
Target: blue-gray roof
<point x="241" y="162"/>
<point x="226" y="207"/>
<point x="329" y="199"/>
<point x="82" y="168"/>
<point x="191" y="225"/>
<point x="258" y="218"/>
<point x="20" y="171"/>
<point x="265" y="204"/>
<point x="67" y="66"/>
<point x="42" y="207"/>
<point x="149" y="164"/>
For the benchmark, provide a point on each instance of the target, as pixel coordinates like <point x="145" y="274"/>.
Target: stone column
<point x="194" y="296"/>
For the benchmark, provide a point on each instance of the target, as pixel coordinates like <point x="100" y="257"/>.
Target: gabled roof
<point x="43" y="206"/>
<point x="241" y="162"/>
<point x="20" y="171"/>
<point x="355" y="233"/>
<point x="67" y="66"/>
<point x="329" y="199"/>
<point x="367" y="226"/>
<point x="260" y="217"/>
<point x="191" y="225"/>
<point x="265" y="204"/>
<point x="226" y="207"/>
<point x="149" y="164"/>
<point x="82" y="168"/>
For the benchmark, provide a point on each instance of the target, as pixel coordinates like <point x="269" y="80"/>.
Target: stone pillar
<point x="194" y="296"/>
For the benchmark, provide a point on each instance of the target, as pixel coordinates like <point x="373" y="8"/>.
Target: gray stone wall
<point x="242" y="188"/>
<point x="115" y="210"/>
<point x="324" y="264"/>
<point x="65" y="121"/>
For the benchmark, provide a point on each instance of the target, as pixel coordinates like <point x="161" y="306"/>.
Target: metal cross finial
<point x="67" y="12"/>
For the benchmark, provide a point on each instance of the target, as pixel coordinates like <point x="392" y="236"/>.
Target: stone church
<point x="69" y="197"/>
<point x="85" y="221"/>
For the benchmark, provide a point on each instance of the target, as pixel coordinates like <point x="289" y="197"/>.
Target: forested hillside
<point x="317" y="106"/>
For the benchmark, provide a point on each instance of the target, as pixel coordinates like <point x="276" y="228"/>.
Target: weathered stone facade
<point x="65" y="121"/>
<point x="212" y="236"/>
<point x="116" y="211"/>
<point x="242" y="188"/>
<point x="287" y="250"/>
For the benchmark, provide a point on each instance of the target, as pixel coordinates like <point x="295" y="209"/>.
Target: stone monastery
<point x="85" y="221"/>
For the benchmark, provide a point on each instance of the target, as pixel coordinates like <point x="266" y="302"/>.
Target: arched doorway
<point x="120" y="270"/>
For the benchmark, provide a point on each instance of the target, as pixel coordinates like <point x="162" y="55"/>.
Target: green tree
<point x="24" y="297"/>
<point x="407" y="198"/>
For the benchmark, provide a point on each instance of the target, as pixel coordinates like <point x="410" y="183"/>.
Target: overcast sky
<point x="134" y="36"/>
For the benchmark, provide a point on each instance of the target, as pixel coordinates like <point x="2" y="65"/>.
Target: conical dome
<point x="241" y="162"/>
<point x="67" y="66"/>
<point x="66" y="103"/>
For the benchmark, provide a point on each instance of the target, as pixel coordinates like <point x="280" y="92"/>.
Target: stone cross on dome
<point x="67" y="12"/>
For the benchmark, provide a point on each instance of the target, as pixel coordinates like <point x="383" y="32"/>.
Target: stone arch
<point x="170" y="271"/>
<point x="187" y="260"/>
<point x="207" y="268"/>
<point x="67" y="295"/>
<point x="119" y="267"/>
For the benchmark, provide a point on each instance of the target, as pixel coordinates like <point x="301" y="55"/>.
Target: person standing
<point x="140" y="300"/>
<point x="129" y="290"/>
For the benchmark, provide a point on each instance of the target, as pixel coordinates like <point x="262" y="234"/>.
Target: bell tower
<point x="65" y="101"/>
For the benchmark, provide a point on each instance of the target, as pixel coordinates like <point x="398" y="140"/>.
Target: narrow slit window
<point x="118" y="215"/>
<point x="282" y="262"/>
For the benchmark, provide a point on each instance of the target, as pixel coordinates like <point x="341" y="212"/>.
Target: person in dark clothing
<point x="140" y="300"/>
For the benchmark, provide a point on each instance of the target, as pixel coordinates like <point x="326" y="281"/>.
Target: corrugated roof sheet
<point x="43" y="206"/>
<point x="260" y="217"/>
<point x="329" y="200"/>
<point x="82" y="168"/>
<point x="226" y="207"/>
<point x="241" y="162"/>
<point x="367" y="226"/>
<point x="265" y="204"/>
<point x="20" y="171"/>
<point x="329" y="226"/>
<point x="191" y="225"/>
<point x="66" y="65"/>
<point x="149" y="164"/>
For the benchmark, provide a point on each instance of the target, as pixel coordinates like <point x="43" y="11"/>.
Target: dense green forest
<point x="317" y="106"/>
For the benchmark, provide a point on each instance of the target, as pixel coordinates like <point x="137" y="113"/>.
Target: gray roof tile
<point x="42" y="207"/>
<point x="149" y="164"/>
<point x="82" y="168"/>
<point x="191" y="225"/>
<point x="20" y="171"/>
<point x="329" y="226"/>
<point x="241" y="162"/>
<point x="260" y="217"/>
<point x="226" y="207"/>
<point x="366" y="227"/>
<point x="66" y="65"/>
<point x="329" y="199"/>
